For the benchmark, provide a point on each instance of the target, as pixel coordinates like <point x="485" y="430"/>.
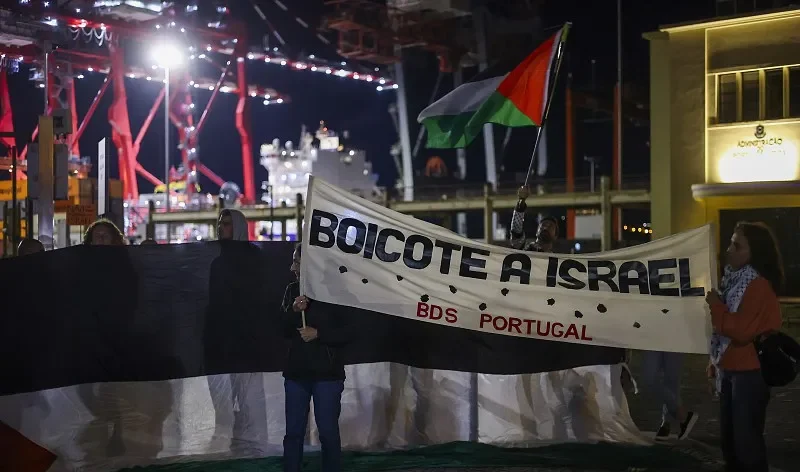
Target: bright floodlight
<point x="167" y="55"/>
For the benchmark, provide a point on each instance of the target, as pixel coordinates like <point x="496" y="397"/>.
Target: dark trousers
<point x="327" y="397"/>
<point x="743" y="411"/>
<point x="662" y="376"/>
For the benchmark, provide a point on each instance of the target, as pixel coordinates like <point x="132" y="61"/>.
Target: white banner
<point x="357" y="253"/>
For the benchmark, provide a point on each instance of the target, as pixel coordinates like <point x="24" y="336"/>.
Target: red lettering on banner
<point x="539" y="329"/>
<point x="528" y="324"/>
<point x="422" y="310"/>
<point x="583" y="334"/>
<point x="571" y="331"/>
<point x="544" y="329"/>
<point x="560" y="332"/>
<point x="435" y="312"/>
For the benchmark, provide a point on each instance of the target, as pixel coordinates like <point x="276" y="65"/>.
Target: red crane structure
<point x="374" y="32"/>
<point x="76" y="38"/>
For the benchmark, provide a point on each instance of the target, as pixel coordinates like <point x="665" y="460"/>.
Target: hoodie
<point x="240" y="232"/>
<point x="235" y="307"/>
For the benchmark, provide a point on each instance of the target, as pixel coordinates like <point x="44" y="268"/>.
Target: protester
<point x="313" y="370"/>
<point x="232" y="225"/>
<point x="745" y="307"/>
<point x="239" y="394"/>
<point x="29" y="246"/>
<point x="667" y="389"/>
<point x="105" y="401"/>
<point x="546" y="233"/>
<point x="103" y="232"/>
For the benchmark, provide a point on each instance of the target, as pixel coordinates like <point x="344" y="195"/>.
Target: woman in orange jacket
<point x="745" y="307"/>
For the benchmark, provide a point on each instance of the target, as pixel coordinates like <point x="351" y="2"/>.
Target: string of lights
<point x="645" y="228"/>
<point x="274" y="57"/>
<point x="311" y="62"/>
<point x="102" y="33"/>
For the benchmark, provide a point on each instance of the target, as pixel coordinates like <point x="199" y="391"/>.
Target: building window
<point x="794" y="92"/>
<point x="727" y="98"/>
<point x="773" y="94"/>
<point x="756" y="95"/>
<point x="751" y="85"/>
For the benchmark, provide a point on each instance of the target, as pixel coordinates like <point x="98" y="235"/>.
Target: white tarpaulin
<point x="360" y="254"/>
<point x="106" y="426"/>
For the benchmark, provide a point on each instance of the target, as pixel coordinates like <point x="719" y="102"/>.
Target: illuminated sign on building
<point x="766" y="155"/>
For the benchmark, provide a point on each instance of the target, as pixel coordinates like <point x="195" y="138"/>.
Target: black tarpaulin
<point x="147" y="313"/>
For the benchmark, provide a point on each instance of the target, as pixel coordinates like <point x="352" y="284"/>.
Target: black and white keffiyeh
<point x="734" y="283"/>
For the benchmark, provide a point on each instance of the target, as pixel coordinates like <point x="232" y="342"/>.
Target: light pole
<point x="592" y="166"/>
<point x="167" y="56"/>
<point x="166" y="142"/>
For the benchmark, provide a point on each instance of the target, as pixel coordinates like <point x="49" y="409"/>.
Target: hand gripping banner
<point x="359" y="254"/>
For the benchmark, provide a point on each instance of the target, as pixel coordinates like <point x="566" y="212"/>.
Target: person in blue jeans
<point x="314" y="370"/>
<point x="662" y="378"/>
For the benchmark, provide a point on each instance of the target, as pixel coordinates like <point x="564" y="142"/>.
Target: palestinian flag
<point x="176" y="351"/>
<point x="515" y="99"/>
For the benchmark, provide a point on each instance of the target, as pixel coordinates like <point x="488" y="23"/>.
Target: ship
<point x="325" y="155"/>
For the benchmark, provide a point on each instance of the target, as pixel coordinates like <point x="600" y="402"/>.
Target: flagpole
<point x="559" y="58"/>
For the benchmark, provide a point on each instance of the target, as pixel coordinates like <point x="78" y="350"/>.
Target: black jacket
<point x="319" y="359"/>
<point x="235" y="320"/>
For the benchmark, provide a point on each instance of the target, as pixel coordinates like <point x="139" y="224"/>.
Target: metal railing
<point x="463" y="199"/>
<point x="539" y="187"/>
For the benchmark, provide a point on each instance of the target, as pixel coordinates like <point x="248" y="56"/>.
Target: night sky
<point x="358" y="107"/>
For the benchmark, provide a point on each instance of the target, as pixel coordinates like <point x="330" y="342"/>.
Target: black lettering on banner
<point x="447" y="255"/>
<point x="318" y="228"/>
<point x="468" y="263"/>
<point x="427" y="252"/>
<point x="607" y="278"/>
<point x="625" y="280"/>
<point x="380" y="246"/>
<point x="569" y="281"/>
<point x="523" y="272"/>
<point x="358" y="242"/>
<point x="657" y="278"/>
<point x="552" y="271"/>
<point x="369" y="245"/>
<point x="686" y="281"/>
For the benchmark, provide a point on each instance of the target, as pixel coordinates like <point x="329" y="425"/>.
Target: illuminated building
<point x="290" y="166"/>
<point x="725" y="125"/>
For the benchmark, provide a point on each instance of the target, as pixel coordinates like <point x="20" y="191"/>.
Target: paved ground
<point x="782" y="430"/>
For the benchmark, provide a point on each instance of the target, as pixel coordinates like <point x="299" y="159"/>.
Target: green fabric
<point x="596" y="457"/>
<point x="458" y="131"/>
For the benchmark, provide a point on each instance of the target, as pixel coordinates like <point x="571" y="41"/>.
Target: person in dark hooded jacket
<point x="314" y="369"/>
<point x="235" y="277"/>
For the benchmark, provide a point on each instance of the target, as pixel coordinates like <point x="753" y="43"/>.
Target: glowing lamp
<point x="167" y="55"/>
<point x="768" y="162"/>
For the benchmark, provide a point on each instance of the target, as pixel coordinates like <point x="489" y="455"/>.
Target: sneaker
<point x="688" y="424"/>
<point x="663" y="432"/>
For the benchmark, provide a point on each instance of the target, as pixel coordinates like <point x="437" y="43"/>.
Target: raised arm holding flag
<point x="515" y="96"/>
